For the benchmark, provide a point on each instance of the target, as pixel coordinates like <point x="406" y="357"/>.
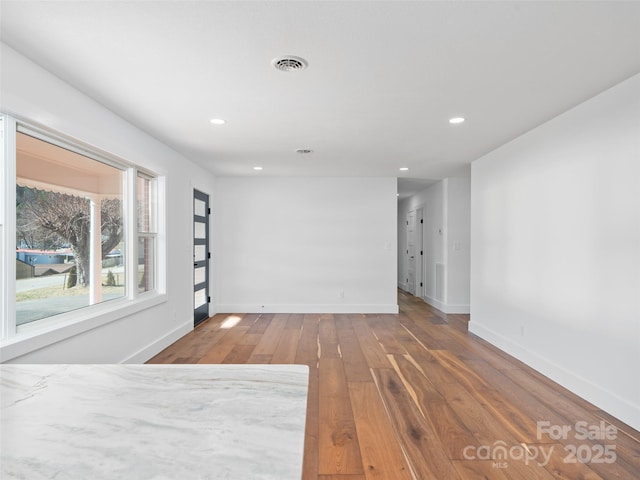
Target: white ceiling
<point x="382" y="82"/>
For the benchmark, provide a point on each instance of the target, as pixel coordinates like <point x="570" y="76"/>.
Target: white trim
<point x="144" y="354"/>
<point x="153" y="234"/>
<point x="130" y="230"/>
<point x="64" y="326"/>
<point x="458" y="309"/>
<point x="95" y="250"/>
<point x="435" y="303"/>
<point x="8" y="314"/>
<point x="161" y="255"/>
<point x="445" y="308"/>
<point x="403" y="286"/>
<point x="324" y="308"/>
<point x="604" y="399"/>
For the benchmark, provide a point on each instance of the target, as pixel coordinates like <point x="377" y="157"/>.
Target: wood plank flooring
<point x="415" y="396"/>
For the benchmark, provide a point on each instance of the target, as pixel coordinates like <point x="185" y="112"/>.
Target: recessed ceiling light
<point x="456" y="120"/>
<point x="257" y="168"/>
<point x="404" y="169"/>
<point x="217" y="121"/>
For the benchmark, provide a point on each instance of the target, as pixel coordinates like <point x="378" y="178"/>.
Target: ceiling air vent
<point x="304" y="151"/>
<point x="289" y="63"/>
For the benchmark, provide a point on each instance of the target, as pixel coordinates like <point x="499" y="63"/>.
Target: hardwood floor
<point x="415" y="396"/>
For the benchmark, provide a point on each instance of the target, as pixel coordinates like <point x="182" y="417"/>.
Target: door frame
<point x="411" y="250"/>
<point x="419" y="250"/>
<point x="201" y="312"/>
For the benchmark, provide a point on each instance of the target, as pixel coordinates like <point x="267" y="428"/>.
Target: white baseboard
<point x="461" y="309"/>
<point x="446" y="308"/>
<point x="617" y="406"/>
<point x="339" y="308"/>
<point x="403" y="286"/>
<point x="434" y="303"/>
<point x="160" y="344"/>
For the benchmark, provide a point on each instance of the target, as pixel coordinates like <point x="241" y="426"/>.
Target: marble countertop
<point x="155" y="422"/>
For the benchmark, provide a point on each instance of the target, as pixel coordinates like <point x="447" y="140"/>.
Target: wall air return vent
<point x="289" y="63"/>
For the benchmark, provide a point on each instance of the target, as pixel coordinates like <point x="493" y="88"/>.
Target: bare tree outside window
<point x="49" y="220"/>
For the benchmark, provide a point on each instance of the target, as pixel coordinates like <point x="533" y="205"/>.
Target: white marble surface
<point x="160" y="422"/>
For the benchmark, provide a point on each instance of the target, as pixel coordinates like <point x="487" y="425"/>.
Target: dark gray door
<point x="201" y="256"/>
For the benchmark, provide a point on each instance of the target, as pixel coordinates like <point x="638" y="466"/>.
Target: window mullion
<point x="131" y="234"/>
<point x="8" y="240"/>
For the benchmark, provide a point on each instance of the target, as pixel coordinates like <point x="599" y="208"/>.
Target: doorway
<point x="201" y="256"/>
<point x="411" y="252"/>
<point x="415" y="252"/>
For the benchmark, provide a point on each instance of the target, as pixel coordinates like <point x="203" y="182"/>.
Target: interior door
<point x="411" y="252"/>
<point x="201" y="256"/>
<point x="419" y="253"/>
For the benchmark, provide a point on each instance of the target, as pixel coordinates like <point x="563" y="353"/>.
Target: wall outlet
<point x="341" y="295"/>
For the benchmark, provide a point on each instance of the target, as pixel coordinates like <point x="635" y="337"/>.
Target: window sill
<point x="34" y="337"/>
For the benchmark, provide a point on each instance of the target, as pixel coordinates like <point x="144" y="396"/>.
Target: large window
<point x="85" y="229"/>
<point x="69" y="230"/>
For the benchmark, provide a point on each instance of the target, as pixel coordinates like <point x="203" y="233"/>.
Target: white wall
<point x="555" y="237"/>
<point x="446" y="212"/>
<point x="402" y="246"/>
<point x="30" y="93"/>
<point x="457" y="243"/>
<point x="297" y="244"/>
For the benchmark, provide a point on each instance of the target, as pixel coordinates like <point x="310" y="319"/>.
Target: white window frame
<point x="150" y="234"/>
<point x="19" y="340"/>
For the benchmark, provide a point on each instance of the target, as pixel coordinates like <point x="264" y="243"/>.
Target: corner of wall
<point x="155" y="347"/>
